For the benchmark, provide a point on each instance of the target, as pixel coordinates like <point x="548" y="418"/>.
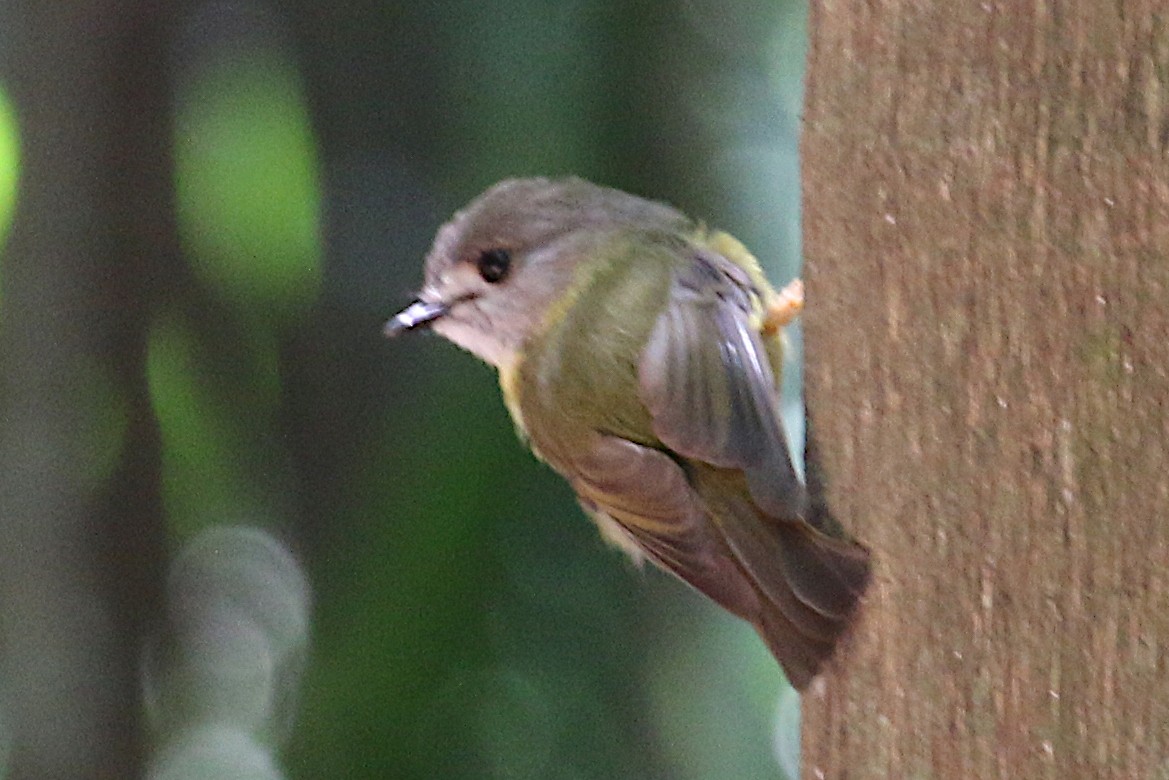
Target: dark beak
<point x="416" y="315"/>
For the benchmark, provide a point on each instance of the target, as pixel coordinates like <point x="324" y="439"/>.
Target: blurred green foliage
<point x="205" y="441"/>
<point x="246" y="180"/>
<point x="468" y="622"/>
<point x="9" y="163"/>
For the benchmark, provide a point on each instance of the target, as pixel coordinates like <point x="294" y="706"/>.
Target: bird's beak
<point x="416" y="315"/>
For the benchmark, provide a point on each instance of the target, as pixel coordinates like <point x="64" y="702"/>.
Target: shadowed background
<point x="208" y="454"/>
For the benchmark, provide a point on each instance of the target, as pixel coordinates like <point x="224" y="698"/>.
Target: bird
<point x="639" y="355"/>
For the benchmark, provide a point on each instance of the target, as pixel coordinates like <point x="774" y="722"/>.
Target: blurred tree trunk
<point x="987" y="238"/>
<point x="80" y="531"/>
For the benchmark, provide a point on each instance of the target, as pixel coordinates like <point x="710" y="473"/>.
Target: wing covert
<point x="708" y="384"/>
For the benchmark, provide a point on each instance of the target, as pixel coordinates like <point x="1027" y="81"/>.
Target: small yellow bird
<point x="639" y="355"/>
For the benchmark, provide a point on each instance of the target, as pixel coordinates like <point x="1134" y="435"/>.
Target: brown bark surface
<point x="987" y="238"/>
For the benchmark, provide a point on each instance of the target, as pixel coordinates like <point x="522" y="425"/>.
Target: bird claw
<point x="784" y="307"/>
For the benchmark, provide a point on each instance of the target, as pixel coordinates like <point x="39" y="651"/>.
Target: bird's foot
<point x="784" y="307"/>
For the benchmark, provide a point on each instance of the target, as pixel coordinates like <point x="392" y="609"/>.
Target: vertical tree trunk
<point x="80" y="525"/>
<point x="987" y="240"/>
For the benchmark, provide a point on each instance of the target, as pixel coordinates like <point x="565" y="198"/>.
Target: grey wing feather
<point x="707" y="381"/>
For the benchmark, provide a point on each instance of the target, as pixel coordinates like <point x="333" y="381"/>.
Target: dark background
<point x="208" y="211"/>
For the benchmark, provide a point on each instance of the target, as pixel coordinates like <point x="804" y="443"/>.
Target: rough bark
<point x="987" y="239"/>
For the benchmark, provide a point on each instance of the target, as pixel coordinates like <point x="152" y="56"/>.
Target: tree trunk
<point x="987" y="239"/>
<point x="81" y="537"/>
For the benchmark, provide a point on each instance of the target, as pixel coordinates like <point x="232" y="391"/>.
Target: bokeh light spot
<point x="228" y="662"/>
<point x="247" y="178"/>
<point x="9" y="163"/>
<point x="201" y="478"/>
<point x="215" y="753"/>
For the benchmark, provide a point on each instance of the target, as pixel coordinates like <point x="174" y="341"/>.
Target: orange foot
<point x="784" y="307"/>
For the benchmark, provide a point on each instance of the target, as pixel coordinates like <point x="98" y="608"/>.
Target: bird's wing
<point x="643" y="500"/>
<point x="706" y="379"/>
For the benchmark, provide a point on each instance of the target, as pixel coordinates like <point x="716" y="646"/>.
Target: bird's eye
<point x="493" y="265"/>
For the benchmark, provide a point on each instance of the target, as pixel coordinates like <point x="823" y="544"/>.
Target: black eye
<point x="493" y="265"/>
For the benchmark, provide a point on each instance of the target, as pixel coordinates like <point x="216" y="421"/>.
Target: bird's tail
<point x="809" y="605"/>
<point x="823" y="576"/>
